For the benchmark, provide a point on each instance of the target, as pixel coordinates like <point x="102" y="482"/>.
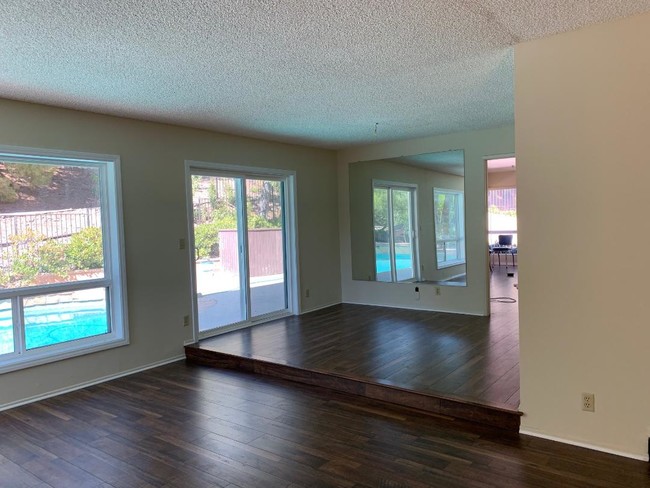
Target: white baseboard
<point x="86" y="384"/>
<point x="320" y="307"/>
<point x="584" y="444"/>
<point x="404" y="307"/>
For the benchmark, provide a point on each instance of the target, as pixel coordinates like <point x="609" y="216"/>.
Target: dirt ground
<point x="71" y="187"/>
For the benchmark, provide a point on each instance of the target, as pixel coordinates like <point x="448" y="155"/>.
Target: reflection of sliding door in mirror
<point x="394" y="231"/>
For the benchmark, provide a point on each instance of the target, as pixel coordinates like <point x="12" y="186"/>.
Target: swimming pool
<point x="53" y="323"/>
<point x="402" y="261"/>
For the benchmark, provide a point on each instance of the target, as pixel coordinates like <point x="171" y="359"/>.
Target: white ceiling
<point x="501" y="164"/>
<point x="332" y="74"/>
<point x="450" y="162"/>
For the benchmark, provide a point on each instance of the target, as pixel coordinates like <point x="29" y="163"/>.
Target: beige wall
<point x="471" y="299"/>
<point x="583" y="116"/>
<point x="153" y="186"/>
<point x="361" y="217"/>
<point x="502" y="179"/>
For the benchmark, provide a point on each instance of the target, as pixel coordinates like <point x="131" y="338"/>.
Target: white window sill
<point x="449" y="264"/>
<point x="37" y="358"/>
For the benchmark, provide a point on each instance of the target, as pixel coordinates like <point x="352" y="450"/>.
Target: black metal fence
<point x="55" y="224"/>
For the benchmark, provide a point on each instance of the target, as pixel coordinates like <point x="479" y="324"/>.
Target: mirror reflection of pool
<point x="402" y="261"/>
<point x="403" y="267"/>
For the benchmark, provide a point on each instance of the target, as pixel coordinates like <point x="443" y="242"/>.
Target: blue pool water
<point x="66" y="327"/>
<point x="49" y="324"/>
<point x="402" y="261"/>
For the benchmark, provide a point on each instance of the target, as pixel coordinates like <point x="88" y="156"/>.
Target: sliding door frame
<point x="290" y="237"/>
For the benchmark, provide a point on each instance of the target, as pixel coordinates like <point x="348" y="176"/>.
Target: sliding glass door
<point x="240" y="249"/>
<point x="394" y="231"/>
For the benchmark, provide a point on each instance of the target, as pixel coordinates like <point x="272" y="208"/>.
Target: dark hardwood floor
<point x="474" y="360"/>
<point x="183" y="425"/>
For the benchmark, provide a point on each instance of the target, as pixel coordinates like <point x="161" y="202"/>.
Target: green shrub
<point x="206" y="240"/>
<point x="35" y="254"/>
<point x="25" y="265"/>
<point x="7" y="192"/>
<point x="206" y="236"/>
<point x="256" y="221"/>
<point x="85" y="250"/>
<point x="51" y="258"/>
<point x="225" y="218"/>
<point x="24" y="269"/>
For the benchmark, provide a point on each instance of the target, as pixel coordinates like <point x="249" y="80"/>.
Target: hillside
<point x="70" y="187"/>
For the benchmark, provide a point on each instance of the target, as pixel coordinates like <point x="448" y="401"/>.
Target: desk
<point x="499" y="250"/>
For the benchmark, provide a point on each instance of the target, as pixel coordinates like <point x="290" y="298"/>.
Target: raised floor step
<point x="429" y="402"/>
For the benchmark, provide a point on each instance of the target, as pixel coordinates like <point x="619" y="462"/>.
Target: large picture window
<point x="394" y="231"/>
<point x="61" y="280"/>
<point x="449" y="227"/>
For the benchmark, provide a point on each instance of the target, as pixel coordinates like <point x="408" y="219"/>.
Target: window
<point x="449" y="222"/>
<point x="394" y="231"/>
<point x="502" y="214"/>
<point x="61" y="282"/>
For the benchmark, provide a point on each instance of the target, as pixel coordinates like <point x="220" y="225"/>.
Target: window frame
<point x="113" y="281"/>
<point x="460" y="228"/>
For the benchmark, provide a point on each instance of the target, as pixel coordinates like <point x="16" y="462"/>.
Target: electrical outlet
<point x="588" y="402"/>
<point x="186" y="321"/>
<point x="437" y="290"/>
<point x="181" y="244"/>
<point x="306" y="292"/>
<point x="417" y="292"/>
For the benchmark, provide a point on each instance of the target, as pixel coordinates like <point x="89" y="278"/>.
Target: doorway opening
<point x="243" y="248"/>
<point x="502" y="232"/>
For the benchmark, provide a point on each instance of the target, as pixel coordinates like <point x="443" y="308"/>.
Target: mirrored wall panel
<point x="407" y="219"/>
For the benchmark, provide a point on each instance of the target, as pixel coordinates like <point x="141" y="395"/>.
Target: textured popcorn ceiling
<point x="331" y="73"/>
<point x="451" y="162"/>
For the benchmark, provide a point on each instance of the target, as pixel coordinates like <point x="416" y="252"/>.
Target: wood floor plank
<point x="184" y="425"/>
<point x="314" y="438"/>
<point x="443" y="363"/>
<point x="476" y="358"/>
